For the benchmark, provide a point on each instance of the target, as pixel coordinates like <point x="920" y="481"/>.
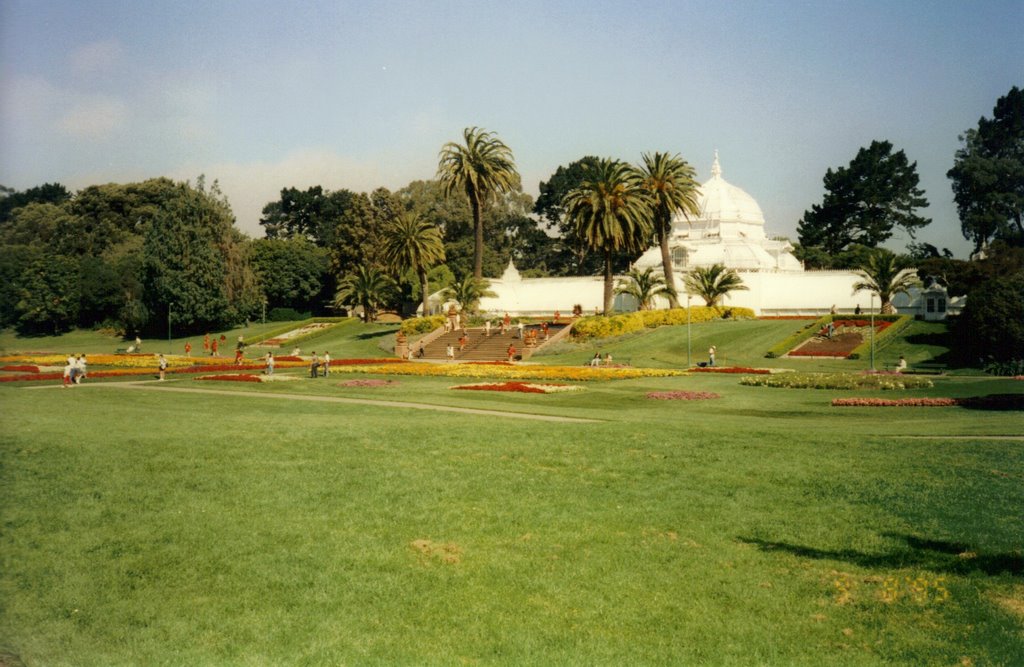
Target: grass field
<point x="762" y="527"/>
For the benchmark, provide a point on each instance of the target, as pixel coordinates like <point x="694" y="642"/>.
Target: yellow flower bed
<point x="134" y="360"/>
<point x="580" y="373"/>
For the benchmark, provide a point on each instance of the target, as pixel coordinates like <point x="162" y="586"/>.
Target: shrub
<point x="421" y="325"/>
<point x="599" y="326"/>
<point x="836" y="381"/>
<point x="285" y="315"/>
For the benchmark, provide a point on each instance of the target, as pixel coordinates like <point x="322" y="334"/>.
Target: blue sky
<point x="265" y="95"/>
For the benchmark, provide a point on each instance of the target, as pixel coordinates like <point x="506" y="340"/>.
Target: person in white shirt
<point x="80" y="369"/>
<point x="327" y="363"/>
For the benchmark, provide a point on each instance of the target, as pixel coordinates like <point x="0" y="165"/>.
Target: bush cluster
<point x="599" y="326"/>
<point x="836" y="381"/>
<point x="421" y="325"/>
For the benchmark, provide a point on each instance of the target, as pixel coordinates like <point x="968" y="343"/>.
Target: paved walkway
<point x="155" y="385"/>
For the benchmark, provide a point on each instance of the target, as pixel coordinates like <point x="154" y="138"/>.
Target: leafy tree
<point x="611" y="211"/>
<point x="291" y="272"/>
<point x="712" y="283"/>
<point x="48" y="193"/>
<point x="15" y="261"/>
<point x="674" y="190"/>
<point x="571" y="254"/>
<point x="48" y="295"/>
<point x="105" y="215"/>
<point x="644" y="286"/>
<point x="468" y="292"/>
<point x="885" y="278"/>
<point x="195" y="272"/>
<point x="368" y="287"/>
<point x="988" y="175"/>
<point x="482" y="168"/>
<point x="863" y="202"/>
<point x="411" y="243"/>
<point x="991" y="326"/>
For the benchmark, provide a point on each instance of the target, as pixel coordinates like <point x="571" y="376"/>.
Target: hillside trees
<point x="988" y="175"/>
<point x="865" y="201"/>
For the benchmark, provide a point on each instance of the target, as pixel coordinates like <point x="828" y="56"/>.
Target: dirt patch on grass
<point x="449" y="552"/>
<point x="1011" y="601"/>
<point x="839" y="345"/>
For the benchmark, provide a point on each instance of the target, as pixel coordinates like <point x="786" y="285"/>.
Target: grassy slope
<point x="169" y="528"/>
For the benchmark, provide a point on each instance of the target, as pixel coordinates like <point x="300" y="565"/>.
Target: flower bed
<point x="682" y="395"/>
<point x="243" y="377"/>
<point x="20" y="369"/>
<point x="367" y="383"/>
<point x="836" y="381"/>
<point x="730" y="369"/>
<point x="521" y="387"/>
<point x="512" y="371"/>
<point x="895" y="402"/>
<point x="990" y="402"/>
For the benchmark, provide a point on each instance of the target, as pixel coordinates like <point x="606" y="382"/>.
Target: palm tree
<point x="368" y="287"/>
<point x="413" y="244"/>
<point x="611" y="212"/>
<point x="482" y="168"/>
<point x="711" y="283"/>
<point x="468" y="292"/>
<point x="673" y="186"/>
<point x="644" y="286"/>
<point x="883" y="276"/>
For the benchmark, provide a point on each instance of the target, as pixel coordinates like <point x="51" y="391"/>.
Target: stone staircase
<point x="480" y="347"/>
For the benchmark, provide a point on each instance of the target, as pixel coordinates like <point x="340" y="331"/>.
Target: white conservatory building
<point x="729" y="230"/>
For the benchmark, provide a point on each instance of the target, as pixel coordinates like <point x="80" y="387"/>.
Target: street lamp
<point x="169" y="348"/>
<point x="689" y="364"/>
<point x="872" y="332"/>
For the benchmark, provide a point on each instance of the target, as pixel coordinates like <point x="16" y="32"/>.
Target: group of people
<point x="74" y="370"/>
<point x="597" y="360"/>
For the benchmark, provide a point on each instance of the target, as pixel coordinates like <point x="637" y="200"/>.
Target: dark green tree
<point x="611" y="210"/>
<point x="571" y="255"/>
<point x="413" y="244"/>
<point x="368" y="287"/>
<point x="48" y="292"/>
<point x="988" y="175"/>
<point x="291" y="272"/>
<point x="991" y="326"/>
<point x="865" y="201"/>
<point x="48" y="193"/>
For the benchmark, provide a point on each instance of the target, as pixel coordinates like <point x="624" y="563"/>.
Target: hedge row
<point x="599" y="326"/>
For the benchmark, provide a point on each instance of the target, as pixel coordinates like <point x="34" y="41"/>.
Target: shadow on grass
<point x="934" y="555"/>
<point x="375" y="334"/>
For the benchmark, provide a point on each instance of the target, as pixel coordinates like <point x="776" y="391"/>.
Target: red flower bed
<point x="288" y="357"/>
<point x="363" y="362"/>
<point x="490" y="363"/>
<point x="20" y="369"/>
<point x="505" y="386"/>
<point x="210" y="368"/>
<point x="231" y="378"/>
<point x="682" y="395"/>
<point x="731" y="369"/>
<point x="29" y="378"/>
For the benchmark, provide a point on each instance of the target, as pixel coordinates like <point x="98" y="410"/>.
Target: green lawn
<point x="763" y="527"/>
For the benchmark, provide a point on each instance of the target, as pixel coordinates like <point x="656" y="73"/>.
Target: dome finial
<point x="716" y="169"/>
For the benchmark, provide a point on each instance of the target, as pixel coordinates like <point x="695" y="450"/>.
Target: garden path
<point x="158" y="386"/>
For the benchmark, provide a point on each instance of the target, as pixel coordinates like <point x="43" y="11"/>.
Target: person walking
<point x="213" y="348"/>
<point x="270" y="363"/>
<point x="80" y="372"/>
<point x="162" y="365"/>
<point x="711" y="356"/>
<point x="314" y="365"/>
<point x="449" y="352"/>
<point x="511" y="352"/>
<point x="327" y="363"/>
<point x="206" y="345"/>
<point x="188" y="349"/>
<point x="487" y="329"/>
<point x="68" y="365"/>
<point x="596" y="361"/>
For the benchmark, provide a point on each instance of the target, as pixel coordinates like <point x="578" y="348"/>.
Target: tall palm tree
<point x="368" y="287"/>
<point x="674" y="189"/>
<point x="413" y="244"/>
<point x="883" y="276"/>
<point x="611" y="211"/>
<point x="644" y="286"/>
<point x="711" y="283"/>
<point x="468" y="292"/>
<point x="484" y="167"/>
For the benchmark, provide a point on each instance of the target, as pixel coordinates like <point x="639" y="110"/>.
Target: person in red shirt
<point x="511" y="352"/>
<point x="188" y="349"/>
<point x="213" y="348"/>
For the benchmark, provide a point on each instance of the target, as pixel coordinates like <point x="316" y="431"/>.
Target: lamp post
<point x="689" y="364"/>
<point x="872" y="332"/>
<point x="169" y="348"/>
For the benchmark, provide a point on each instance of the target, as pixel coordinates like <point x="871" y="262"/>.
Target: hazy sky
<point x="264" y="95"/>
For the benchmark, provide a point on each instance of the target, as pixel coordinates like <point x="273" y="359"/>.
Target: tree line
<point x="141" y="256"/>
